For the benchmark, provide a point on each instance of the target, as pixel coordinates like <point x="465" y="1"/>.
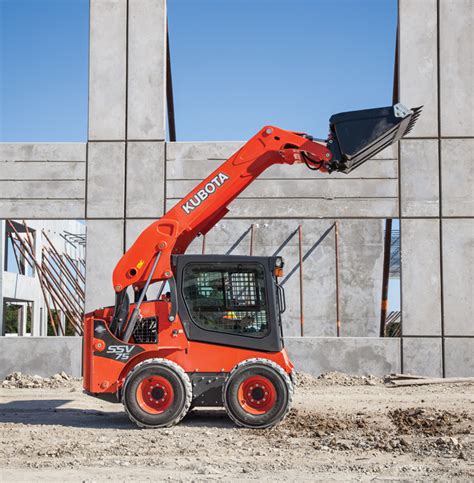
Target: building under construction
<point x="42" y="282"/>
<point x="334" y="232"/>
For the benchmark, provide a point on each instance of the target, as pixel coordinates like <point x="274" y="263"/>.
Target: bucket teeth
<point x="414" y="118"/>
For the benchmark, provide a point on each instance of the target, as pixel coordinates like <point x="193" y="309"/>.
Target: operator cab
<point x="231" y="300"/>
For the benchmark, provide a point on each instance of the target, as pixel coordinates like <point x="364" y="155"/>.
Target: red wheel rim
<point x="155" y="394"/>
<point x="257" y="395"/>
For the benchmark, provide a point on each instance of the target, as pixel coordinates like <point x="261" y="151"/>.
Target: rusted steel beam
<point x="336" y="249"/>
<point x="61" y="293"/>
<point x="57" y="275"/>
<point x="53" y="248"/>
<point x="73" y="265"/>
<point x="300" y="252"/>
<point x="252" y="229"/>
<point x="385" y="276"/>
<point x="203" y="249"/>
<point x="59" y="262"/>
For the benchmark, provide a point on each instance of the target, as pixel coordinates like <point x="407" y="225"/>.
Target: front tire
<point x="157" y="393"/>
<point x="257" y="394"/>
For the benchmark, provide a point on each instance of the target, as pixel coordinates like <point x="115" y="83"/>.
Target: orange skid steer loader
<point x="212" y="334"/>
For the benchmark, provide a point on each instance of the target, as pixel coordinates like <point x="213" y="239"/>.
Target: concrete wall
<point x="42" y="356"/>
<point x="290" y="191"/>
<point x="42" y="180"/>
<point x="437" y="187"/>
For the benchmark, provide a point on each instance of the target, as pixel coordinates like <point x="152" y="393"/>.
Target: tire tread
<point x="186" y="383"/>
<point x="279" y="370"/>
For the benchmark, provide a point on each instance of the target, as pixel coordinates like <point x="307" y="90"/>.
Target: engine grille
<point x="146" y="331"/>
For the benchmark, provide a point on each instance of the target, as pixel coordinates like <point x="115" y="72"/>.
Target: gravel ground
<point x="340" y="428"/>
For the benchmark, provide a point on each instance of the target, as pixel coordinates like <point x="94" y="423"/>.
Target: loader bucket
<point x="357" y="136"/>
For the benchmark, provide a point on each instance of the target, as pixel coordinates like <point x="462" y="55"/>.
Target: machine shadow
<point x="50" y="412"/>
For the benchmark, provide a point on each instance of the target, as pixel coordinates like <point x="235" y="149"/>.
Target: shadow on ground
<point x="53" y="412"/>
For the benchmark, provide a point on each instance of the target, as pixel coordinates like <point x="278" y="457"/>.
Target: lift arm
<point x="204" y="206"/>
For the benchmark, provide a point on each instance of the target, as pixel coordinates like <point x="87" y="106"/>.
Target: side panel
<point x="106" y="374"/>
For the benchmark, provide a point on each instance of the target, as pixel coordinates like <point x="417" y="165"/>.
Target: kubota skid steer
<point x="215" y="338"/>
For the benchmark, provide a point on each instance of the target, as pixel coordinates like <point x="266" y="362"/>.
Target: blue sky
<point x="43" y="70"/>
<point x="237" y="65"/>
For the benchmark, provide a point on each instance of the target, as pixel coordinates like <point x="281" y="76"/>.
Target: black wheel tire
<point x="270" y="371"/>
<point x="176" y="378"/>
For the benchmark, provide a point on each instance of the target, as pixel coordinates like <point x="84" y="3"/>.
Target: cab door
<point x="229" y="300"/>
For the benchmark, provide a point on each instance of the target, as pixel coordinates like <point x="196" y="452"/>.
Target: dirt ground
<point x="340" y="428"/>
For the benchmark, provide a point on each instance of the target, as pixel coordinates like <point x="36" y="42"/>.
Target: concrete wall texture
<point x="437" y="187"/>
<point x="127" y="175"/>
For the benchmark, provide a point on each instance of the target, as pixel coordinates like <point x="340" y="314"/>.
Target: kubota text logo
<point x="121" y="352"/>
<point x="204" y="193"/>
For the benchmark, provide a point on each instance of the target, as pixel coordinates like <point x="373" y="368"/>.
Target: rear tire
<point x="157" y="393"/>
<point x="257" y="394"/>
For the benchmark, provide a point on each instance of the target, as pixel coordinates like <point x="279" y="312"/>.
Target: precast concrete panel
<point x="352" y="355"/>
<point x="418" y="84"/>
<point x="419" y="177"/>
<point x="309" y="188"/>
<point x="421" y="279"/>
<point x="43" y="356"/>
<point x="47" y="171"/>
<point x="314" y="208"/>
<point x="104" y="249"/>
<point x="146" y="69"/>
<point x="457" y="67"/>
<point x="293" y="190"/>
<point x="458" y="276"/>
<point x="459" y="357"/>
<point x="44" y="189"/>
<point x="107" y="69"/>
<point x="106" y="180"/>
<point x="42" y="180"/>
<point x="360" y="268"/>
<point x="422" y="356"/>
<point x="457" y="177"/>
<point x="145" y="179"/>
<point x="46" y="152"/>
<point x="280" y="237"/>
<point x="196" y="160"/>
<point x="42" y="209"/>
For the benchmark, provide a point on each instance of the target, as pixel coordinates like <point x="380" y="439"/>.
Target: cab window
<point x="227" y="297"/>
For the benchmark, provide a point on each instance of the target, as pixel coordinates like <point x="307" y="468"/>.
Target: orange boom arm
<point x="203" y="207"/>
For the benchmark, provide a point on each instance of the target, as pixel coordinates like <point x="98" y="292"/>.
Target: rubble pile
<point x="427" y="434"/>
<point x="420" y="420"/>
<point x="308" y="381"/>
<point x="17" y="380"/>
